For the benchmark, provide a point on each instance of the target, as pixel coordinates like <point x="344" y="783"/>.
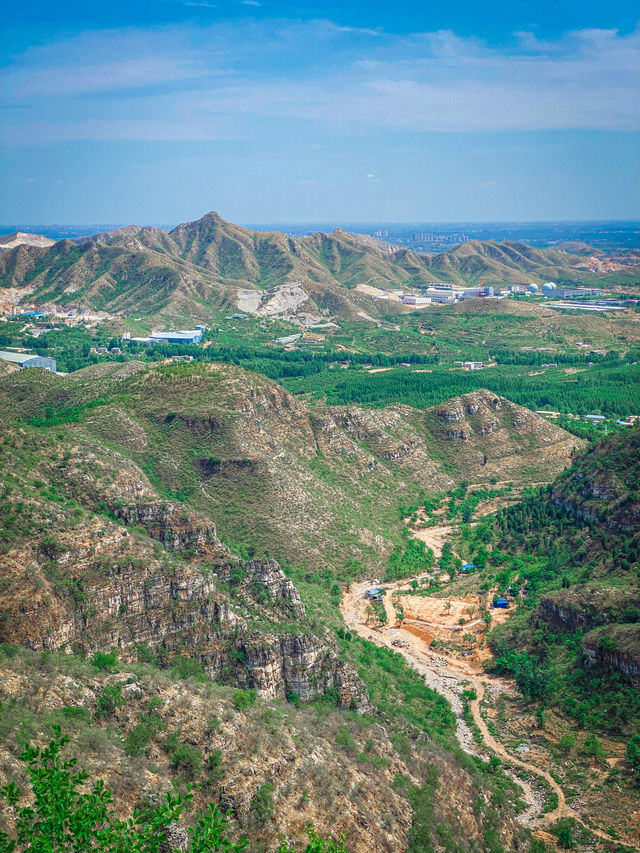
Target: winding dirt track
<point x="450" y="677"/>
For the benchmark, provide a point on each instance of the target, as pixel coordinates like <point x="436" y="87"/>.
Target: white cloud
<point x="231" y="80"/>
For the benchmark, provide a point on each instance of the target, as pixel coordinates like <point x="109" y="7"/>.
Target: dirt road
<point x="450" y="676"/>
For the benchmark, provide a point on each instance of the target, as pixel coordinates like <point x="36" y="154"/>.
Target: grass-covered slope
<point x="318" y="486"/>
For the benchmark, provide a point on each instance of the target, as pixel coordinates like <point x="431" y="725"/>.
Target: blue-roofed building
<point x="501" y="602"/>
<point x="468" y="567"/>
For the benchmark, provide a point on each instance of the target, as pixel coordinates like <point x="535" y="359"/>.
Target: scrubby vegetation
<point x="564" y="547"/>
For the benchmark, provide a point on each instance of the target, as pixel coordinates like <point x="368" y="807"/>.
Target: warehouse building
<point x="27" y="359"/>
<point x="192" y="336"/>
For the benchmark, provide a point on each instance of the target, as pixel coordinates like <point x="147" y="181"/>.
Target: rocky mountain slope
<point x="121" y="605"/>
<point x="98" y="560"/>
<point x="203" y="266"/>
<point x="319" y="486"/>
<point x="21" y="238"/>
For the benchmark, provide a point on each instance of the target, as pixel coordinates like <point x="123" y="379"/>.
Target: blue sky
<point x="291" y="111"/>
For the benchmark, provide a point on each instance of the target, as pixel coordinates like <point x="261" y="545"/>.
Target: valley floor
<point x="412" y="623"/>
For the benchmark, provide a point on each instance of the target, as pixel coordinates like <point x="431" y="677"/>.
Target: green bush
<point x="75" y="712"/>
<point x="633" y="753"/>
<point x="110" y="699"/>
<point x="344" y="738"/>
<point x="213" y="766"/>
<point x="244" y="699"/>
<point x="138" y="739"/>
<point x="187" y="759"/>
<point x="105" y="661"/>
<point x="213" y="724"/>
<point x="188" y="668"/>
<point x="64" y="814"/>
<point x="261" y="805"/>
<point x="316" y="844"/>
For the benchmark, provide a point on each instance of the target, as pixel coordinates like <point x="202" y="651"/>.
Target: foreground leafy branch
<point x="68" y="816"/>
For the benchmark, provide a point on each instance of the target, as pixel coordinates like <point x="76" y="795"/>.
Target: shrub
<point x="213" y="724"/>
<point x="592" y="746"/>
<point x="145" y="655"/>
<point x="213" y="766"/>
<point x="633" y="753"/>
<point x="66" y="814"/>
<point x="244" y="699"/>
<point x="75" y="712"/>
<point x="316" y="844"/>
<point x="110" y="699"/>
<point x="563" y="831"/>
<point x="138" y="739"/>
<point x="188" y="759"/>
<point x="105" y="661"/>
<point x="344" y="738"/>
<point x="188" y="668"/>
<point x="262" y="803"/>
<point x="566" y="743"/>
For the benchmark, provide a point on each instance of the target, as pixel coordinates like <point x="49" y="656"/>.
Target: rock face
<point x="602" y="485"/>
<point x="175" y="590"/>
<point x="277" y="584"/>
<point x="180" y="610"/>
<point x="585" y="608"/>
<point x="288" y="664"/>
<point x="169" y="524"/>
<point x="615" y="647"/>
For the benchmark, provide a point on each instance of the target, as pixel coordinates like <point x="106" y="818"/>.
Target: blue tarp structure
<point x="374" y="593"/>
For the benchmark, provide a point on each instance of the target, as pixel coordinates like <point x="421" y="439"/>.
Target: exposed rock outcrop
<point x="615" y="647"/>
<point x="582" y="609"/>
<point x="277" y="584"/>
<point x="170" y="524"/>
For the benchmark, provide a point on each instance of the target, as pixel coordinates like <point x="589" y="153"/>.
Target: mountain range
<point x="208" y="265"/>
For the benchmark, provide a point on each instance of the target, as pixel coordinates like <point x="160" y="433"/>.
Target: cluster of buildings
<point x="470" y="365"/>
<point x="426" y="238"/>
<point x="183" y="336"/>
<point x="577" y="292"/>
<point x="443" y="293"/>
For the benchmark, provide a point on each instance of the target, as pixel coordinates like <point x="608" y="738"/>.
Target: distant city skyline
<point x="277" y="112"/>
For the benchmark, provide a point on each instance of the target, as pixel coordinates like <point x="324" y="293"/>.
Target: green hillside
<point x="319" y="486"/>
<point x="573" y="548"/>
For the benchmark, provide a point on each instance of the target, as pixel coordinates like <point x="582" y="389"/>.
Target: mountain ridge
<point x="200" y="267"/>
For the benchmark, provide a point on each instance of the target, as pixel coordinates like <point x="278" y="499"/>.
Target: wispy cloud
<point x="233" y="80"/>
